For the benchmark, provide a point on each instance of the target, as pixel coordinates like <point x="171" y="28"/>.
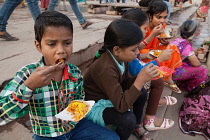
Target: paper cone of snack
<point x="164" y="71"/>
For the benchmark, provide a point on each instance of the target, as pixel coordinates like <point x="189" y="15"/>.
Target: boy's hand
<point x="42" y="76"/>
<point x="147" y="73"/>
<point x="165" y="55"/>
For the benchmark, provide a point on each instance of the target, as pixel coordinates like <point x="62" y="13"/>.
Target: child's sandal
<point x="169" y="100"/>
<point x="150" y="126"/>
<point x="173" y="87"/>
<point x="144" y="136"/>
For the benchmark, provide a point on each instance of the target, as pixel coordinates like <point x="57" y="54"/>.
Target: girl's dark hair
<point x="50" y="18"/>
<point x="187" y="28"/>
<point x="136" y="15"/>
<point x="122" y="33"/>
<point x="156" y="7"/>
<point x="198" y="89"/>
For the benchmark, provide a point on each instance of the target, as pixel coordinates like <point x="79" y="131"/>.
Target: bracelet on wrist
<point x="144" y="42"/>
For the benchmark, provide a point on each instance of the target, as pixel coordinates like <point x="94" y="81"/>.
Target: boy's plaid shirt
<point x="42" y="104"/>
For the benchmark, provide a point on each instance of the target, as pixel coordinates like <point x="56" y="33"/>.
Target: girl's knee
<point x="128" y="119"/>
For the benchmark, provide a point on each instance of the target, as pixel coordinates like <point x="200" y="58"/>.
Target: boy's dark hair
<point x="122" y="33"/>
<point x="156" y="7"/>
<point x="188" y="28"/>
<point x="50" y="18"/>
<point x="136" y="15"/>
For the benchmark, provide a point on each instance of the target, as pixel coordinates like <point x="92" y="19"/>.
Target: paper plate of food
<point x="76" y="110"/>
<point x="163" y="71"/>
<point x="155" y="53"/>
<point x="164" y="36"/>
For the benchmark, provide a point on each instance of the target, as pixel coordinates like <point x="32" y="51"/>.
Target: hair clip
<point x="202" y="85"/>
<point x="98" y="54"/>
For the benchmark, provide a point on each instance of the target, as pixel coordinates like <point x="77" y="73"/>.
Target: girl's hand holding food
<point x="148" y="73"/>
<point x="157" y="30"/>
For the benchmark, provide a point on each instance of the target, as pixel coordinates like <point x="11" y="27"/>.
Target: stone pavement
<point x="18" y="53"/>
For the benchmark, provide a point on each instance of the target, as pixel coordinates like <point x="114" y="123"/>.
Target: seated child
<point x="45" y="88"/>
<point x="108" y="82"/>
<point x="141" y="19"/>
<point x="157" y="13"/>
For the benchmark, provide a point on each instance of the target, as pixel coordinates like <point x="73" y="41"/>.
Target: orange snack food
<point x="163" y="35"/>
<point x="161" y="73"/>
<point x="78" y="109"/>
<point x="157" y="53"/>
<point x="61" y="60"/>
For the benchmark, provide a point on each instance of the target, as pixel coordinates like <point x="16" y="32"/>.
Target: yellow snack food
<point x="157" y="53"/>
<point x="161" y="73"/>
<point x="163" y="35"/>
<point x="78" y="109"/>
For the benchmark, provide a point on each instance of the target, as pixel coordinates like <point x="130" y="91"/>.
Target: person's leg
<point x="77" y="11"/>
<point x="33" y="6"/>
<point x="124" y="122"/>
<point x="87" y="130"/>
<point x="5" y="12"/>
<point x="138" y="108"/>
<point x="169" y="9"/>
<point x="154" y="96"/>
<point x="53" y="4"/>
<point x="62" y="137"/>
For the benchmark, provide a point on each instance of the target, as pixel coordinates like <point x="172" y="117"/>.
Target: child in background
<point x="108" y="82"/>
<point x="191" y="73"/>
<point x="202" y="11"/>
<point x="151" y="122"/>
<point x="157" y="13"/>
<point x="45" y="88"/>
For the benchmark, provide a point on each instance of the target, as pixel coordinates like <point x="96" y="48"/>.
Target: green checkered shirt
<point x="42" y="104"/>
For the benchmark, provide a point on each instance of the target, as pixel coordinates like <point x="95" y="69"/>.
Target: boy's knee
<point x="111" y="136"/>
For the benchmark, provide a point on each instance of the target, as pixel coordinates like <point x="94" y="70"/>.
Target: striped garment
<point x="44" y="103"/>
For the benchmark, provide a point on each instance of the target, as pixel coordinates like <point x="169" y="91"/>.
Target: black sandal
<point x="8" y="37"/>
<point x="144" y="136"/>
<point x="88" y="23"/>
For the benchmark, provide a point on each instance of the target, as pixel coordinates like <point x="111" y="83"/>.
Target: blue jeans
<point x="74" y="7"/>
<point x="169" y="8"/>
<point x="84" y="130"/>
<point x="9" y="6"/>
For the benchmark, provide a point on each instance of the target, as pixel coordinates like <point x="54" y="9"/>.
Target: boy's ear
<point x="38" y="45"/>
<point x="116" y="50"/>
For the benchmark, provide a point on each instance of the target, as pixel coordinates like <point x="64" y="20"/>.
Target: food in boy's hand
<point x="78" y="109"/>
<point x="61" y="60"/>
